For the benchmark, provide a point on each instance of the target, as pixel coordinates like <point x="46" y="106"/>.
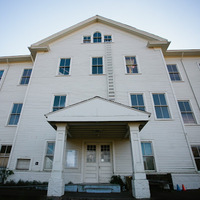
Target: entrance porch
<point x="102" y="126"/>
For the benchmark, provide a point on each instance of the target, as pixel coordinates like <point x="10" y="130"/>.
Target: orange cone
<point x="183" y="188"/>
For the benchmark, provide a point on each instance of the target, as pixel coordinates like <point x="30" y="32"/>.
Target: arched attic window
<point x="97" y="37"/>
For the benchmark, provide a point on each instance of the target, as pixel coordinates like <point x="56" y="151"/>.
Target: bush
<point x="4" y="173"/>
<point x="118" y="180"/>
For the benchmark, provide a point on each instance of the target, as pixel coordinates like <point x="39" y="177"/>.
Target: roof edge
<point x="18" y="58"/>
<point x="182" y="53"/>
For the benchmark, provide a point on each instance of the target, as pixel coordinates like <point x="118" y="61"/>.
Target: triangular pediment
<point x="98" y="109"/>
<point x="153" y="40"/>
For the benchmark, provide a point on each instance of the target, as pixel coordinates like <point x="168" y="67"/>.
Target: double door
<point x="98" y="163"/>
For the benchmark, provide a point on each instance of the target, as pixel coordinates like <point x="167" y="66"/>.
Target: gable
<point x="98" y="109"/>
<point x="43" y="45"/>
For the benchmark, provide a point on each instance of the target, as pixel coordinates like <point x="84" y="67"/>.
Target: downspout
<point x="189" y="81"/>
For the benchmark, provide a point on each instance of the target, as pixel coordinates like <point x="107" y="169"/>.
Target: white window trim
<point x="178" y="69"/>
<point x="103" y="57"/>
<point x="138" y="65"/>
<point x="58" y="94"/>
<point x="154" y="154"/>
<point x="23" y="158"/>
<point x="168" y="104"/>
<point x="193" y="110"/>
<point x="44" y="154"/>
<point x="22" y="76"/>
<point x="10" y="112"/>
<point x="144" y="99"/>
<point x="58" y="68"/>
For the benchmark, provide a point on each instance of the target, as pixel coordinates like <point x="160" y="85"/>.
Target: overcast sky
<point x="24" y="22"/>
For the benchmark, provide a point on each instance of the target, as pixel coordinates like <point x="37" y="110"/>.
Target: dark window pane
<point x="100" y="70"/>
<point x="94" y="61"/>
<point x="181" y="106"/>
<point x="187" y="106"/>
<point x="56" y="100"/>
<point x="133" y="100"/>
<point x="158" y="112"/>
<point x="140" y="99"/>
<point x="156" y="99"/>
<point x="162" y="99"/>
<point x="62" y="101"/>
<point x="3" y="149"/>
<point x="8" y="149"/>
<point x="62" y="62"/>
<point x="169" y="67"/>
<point x="198" y="164"/>
<point x="150" y="163"/>
<point x="195" y="151"/>
<point x="94" y="70"/>
<point x="99" y="61"/>
<point x="165" y="112"/>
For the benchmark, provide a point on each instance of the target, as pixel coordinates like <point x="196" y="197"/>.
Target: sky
<point x="24" y="22"/>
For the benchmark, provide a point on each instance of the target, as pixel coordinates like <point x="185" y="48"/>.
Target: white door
<point x="98" y="163"/>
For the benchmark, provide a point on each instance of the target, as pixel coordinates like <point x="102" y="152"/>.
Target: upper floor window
<point x="107" y="38"/>
<point x="186" y="112"/>
<point x="48" y="163"/>
<point x="86" y="39"/>
<point x="59" y="102"/>
<point x="131" y="65"/>
<point x="4" y="155"/>
<point x="148" y="157"/>
<point x="1" y="74"/>
<point x="173" y="73"/>
<point x="15" y="114"/>
<point x="26" y="76"/>
<point x="161" y="107"/>
<point x="196" y="154"/>
<point x="64" y="67"/>
<point x="97" y="37"/>
<point x="97" y="65"/>
<point x="137" y="101"/>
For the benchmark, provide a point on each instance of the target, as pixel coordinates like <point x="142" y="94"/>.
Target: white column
<point x="140" y="185"/>
<point x="56" y="182"/>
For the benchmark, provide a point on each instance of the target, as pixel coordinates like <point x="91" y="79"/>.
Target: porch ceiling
<point x="98" y="130"/>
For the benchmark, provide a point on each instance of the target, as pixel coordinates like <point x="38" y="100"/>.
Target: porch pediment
<point x="97" y="109"/>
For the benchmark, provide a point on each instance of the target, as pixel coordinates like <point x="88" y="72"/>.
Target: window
<point x="105" y="153"/>
<point x="91" y="154"/>
<point x="59" y="102"/>
<point x="26" y="76"/>
<point x="186" y="112"/>
<point x="48" y="163"/>
<point x="23" y="164"/>
<point x="107" y="38"/>
<point x="14" y="116"/>
<point x="72" y="159"/>
<point x="1" y="74"/>
<point x="173" y="73"/>
<point x="137" y="101"/>
<point x="148" y="157"/>
<point x="196" y="154"/>
<point x="97" y="37"/>
<point x="131" y="65"/>
<point x="97" y="65"/>
<point x="86" y="39"/>
<point x="161" y="107"/>
<point x="4" y="155"/>
<point x="64" y="68"/>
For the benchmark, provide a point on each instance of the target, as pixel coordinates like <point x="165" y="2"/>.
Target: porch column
<point x="56" y="181"/>
<point x="140" y="185"/>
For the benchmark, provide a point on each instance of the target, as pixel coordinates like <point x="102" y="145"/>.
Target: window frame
<point x="153" y="155"/>
<point x="23" y="169"/>
<point x="11" y="110"/>
<point x="103" y="66"/>
<point x="70" y="65"/>
<point x="191" y="112"/>
<point x="46" y="155"/>
<point x="137" y="64"/>
<point x="61" y="95"/>
<point x="94" y="38"/>
<point x="88" y="41"/>
<point x="167" y="103"/>
<point x="5" y="154"/>
<point x="198" y="149"/>
<point x="178" y="72"/>
<point x="26" y="77"/>
<point x="138" y="93"/>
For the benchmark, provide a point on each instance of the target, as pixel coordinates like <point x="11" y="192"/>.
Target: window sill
<point x="164" y="119"/>
<point x="191" y="124"/>
<point x="97" y="42"/>
<point x="97" y="74"/>
<point x="63" y="75"/>
<point x="133" y="73"/>
<point x="11" y="125"/>
<point x="181" y="81"/>
<point x="22" y="85"/>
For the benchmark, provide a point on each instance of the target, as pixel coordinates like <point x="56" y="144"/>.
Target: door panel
<point x="98" y="163"/>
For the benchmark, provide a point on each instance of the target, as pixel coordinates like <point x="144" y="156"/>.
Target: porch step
<point x="93" y="188"/>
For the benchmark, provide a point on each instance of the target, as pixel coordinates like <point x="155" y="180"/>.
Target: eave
<point x="182" y="53"/>
<point x="14" y="59"/>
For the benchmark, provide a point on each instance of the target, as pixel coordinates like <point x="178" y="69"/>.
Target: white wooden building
<point x="98" y="99"/>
